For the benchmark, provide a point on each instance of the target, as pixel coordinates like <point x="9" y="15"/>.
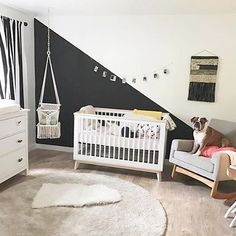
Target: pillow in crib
<point x="143" y="129"/>
<point x="134" y="116"/>
<point x="89" y="109"/>
<point x="148" y="131"/>
<point x="154" y="114"/>
<point x="88" y="123"/>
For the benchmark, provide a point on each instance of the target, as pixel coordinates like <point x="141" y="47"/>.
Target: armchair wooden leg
<point x="214" y="189"/>
<point x="229" y="197"/>
<point x="173" y="172"/>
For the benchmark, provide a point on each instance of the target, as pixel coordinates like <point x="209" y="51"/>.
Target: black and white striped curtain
<point x="11" y="63"/>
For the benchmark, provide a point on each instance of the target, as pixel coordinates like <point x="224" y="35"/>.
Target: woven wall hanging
<point x="203" y="71"/>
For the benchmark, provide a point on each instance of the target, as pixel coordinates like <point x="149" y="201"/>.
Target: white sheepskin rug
<point x="74" y="195"/>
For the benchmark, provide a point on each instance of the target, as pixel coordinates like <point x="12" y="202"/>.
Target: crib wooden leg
<point x="76" y="165"/>
<point x="159" y="176"/>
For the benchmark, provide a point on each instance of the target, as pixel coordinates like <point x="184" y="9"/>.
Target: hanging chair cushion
<point x="48" y="114"/>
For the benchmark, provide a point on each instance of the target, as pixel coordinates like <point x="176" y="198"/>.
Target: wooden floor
<point x="190" y="209"/>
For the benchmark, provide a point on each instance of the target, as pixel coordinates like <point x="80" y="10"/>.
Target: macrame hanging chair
<point x="48" y="126"/>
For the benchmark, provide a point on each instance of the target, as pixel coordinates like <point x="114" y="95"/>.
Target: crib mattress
<point x="102" y="138"/>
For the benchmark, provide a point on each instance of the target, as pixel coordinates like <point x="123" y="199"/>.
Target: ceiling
<point x="122" y="7"/>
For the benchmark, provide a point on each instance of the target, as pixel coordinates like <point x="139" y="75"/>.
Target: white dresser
<point x="13" y="144"/>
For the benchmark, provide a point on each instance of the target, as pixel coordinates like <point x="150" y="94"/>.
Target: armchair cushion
<point x="197" y="161"/>
<point x="180" y="145"/>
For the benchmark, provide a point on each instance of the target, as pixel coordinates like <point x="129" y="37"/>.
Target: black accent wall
<point x="78" y="85"/>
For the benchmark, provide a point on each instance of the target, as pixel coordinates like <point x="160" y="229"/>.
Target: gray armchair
<point x="207" y="170"/>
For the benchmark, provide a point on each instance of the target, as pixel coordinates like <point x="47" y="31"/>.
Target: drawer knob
<point x="19" y="141"/>
<point x="19" y="122"/>
<point x="20" y="159"/>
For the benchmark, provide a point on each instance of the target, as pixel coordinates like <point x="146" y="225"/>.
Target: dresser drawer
<point x="12" y="143"/>
<point x="12" y="163"/>
<point x="12" y="125"/>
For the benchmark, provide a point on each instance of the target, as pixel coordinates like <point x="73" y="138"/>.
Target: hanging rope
<point x="48" y="113"/>
<point x="48" y="51"/>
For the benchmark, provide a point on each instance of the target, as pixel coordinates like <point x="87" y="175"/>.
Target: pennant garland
<point x="145" y="77"/>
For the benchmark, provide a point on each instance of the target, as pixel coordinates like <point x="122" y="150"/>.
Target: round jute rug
<point x="139" y="213"/>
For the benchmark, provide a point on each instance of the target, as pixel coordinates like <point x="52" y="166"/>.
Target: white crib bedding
<point x="103" y="137"/>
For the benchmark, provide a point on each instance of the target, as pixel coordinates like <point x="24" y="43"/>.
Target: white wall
<point x="29" y="78"/>
<point x="130" y="45"/>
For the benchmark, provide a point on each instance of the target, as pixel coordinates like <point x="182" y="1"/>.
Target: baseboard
<point x="53" y="147"/>
<point x="32" y="146"/>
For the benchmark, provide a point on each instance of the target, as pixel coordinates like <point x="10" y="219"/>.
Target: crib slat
<point x="124" y="142"/>
<point x="134" y="140"/>
<point x="154" y="146"/>
<point x="100" y="139"/>
<point x="144" y="141"/>
<point x="109" y="138"/>
<point x="139" y="136"/>
<point x="104" y="139"/>
<point x="90" y="137"/>
<point x="129" y="141"/>
<point x="82" y="135"/>
<point x="149" y="143"/>
<point x="95" y="141"/>
<point x="86" y="140"/>
<point x="114" y="141"/>
<point x="119" y="143"/>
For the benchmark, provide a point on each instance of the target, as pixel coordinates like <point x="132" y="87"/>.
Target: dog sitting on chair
<point x="204" y="136"/>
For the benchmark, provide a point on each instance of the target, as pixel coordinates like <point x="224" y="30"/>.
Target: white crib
<point x="93" y="144"/>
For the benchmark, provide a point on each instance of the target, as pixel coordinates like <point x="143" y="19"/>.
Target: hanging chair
<point x="48" y="126"/>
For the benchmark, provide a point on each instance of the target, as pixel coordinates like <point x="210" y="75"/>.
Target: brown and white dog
<point x="204" y="136"/>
